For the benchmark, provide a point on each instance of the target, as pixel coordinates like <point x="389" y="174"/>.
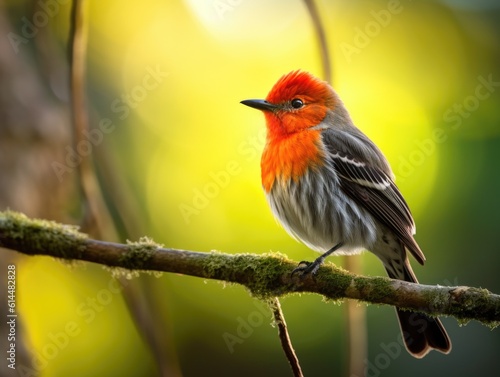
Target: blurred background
<point x="177" y="159"/>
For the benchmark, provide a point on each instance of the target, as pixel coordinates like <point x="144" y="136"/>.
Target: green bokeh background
<point x="190" y="154"/>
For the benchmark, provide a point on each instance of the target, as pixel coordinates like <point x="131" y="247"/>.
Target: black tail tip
<point x="422" y="334"/>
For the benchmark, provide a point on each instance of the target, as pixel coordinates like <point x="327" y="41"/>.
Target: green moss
<point x="493" y="325"/>
<point x="361" y="284"/>
<point x="139" y="253"/>
<point x="436" y="299"/>
<point x="271" y="268"/>
<point x="38" y="236"/>
<point x="381" y="288"/>
<point x="341" y="283"/>
<point x="120" y="272"/>
<point x="480" y="300"/>
<point x="336" y="279"/>
<point x="216" y="264"/>
<point x="135" y="260"/>
<point x="466" y="304"/>
<point x="263" y="271"/>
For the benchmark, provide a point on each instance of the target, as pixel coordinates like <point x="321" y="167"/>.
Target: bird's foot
<point x="310" y="268"/>
<point x="307" y="268"/>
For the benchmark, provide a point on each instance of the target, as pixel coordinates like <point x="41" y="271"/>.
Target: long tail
<point x="421" y="333"/>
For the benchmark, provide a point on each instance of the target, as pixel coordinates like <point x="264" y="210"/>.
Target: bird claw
<point x="306" y="268"/>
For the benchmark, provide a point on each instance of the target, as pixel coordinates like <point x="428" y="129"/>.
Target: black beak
<point x="259" y="104"/>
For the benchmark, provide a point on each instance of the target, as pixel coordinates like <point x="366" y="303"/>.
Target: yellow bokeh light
<point x="171" y="76"/>
<point x="401" y="128"/>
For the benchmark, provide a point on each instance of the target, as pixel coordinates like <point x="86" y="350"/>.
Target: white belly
<point x="317" y="213"/>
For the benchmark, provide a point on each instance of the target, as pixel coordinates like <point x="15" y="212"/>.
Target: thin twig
<point x="286" y="343"/>
<point x="356" y="325"/>
<point x="97" y="216"/>
<point x="321" y="36"/>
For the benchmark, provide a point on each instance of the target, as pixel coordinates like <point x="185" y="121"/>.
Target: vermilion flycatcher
<point x="332" y="188"/>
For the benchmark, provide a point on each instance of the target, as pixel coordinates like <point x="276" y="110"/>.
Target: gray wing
<point x="367" y="181"/>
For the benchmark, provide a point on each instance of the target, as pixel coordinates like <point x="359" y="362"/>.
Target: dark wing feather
<point x="373" y="189"/>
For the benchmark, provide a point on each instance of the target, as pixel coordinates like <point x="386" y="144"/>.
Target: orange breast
<point x="289" y="157"/>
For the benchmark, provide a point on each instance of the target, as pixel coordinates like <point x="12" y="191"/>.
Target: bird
<point x="332" y="188"/>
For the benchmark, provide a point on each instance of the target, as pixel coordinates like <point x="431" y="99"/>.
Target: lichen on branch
<point x="264" y="275"/>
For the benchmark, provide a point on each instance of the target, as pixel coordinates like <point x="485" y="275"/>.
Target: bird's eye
<point x="297" y="103"/>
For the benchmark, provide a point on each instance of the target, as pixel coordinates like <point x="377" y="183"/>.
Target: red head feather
<point x="318" y="97"/>
<point x="289" y="150"/>
<point x="303" y="85"/>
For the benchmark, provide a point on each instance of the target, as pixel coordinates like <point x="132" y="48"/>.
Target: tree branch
<point x="286" y="343"/>
<point x="266" y="275"/>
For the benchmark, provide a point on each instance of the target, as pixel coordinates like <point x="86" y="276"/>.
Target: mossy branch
<point x="266" y="275"/>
